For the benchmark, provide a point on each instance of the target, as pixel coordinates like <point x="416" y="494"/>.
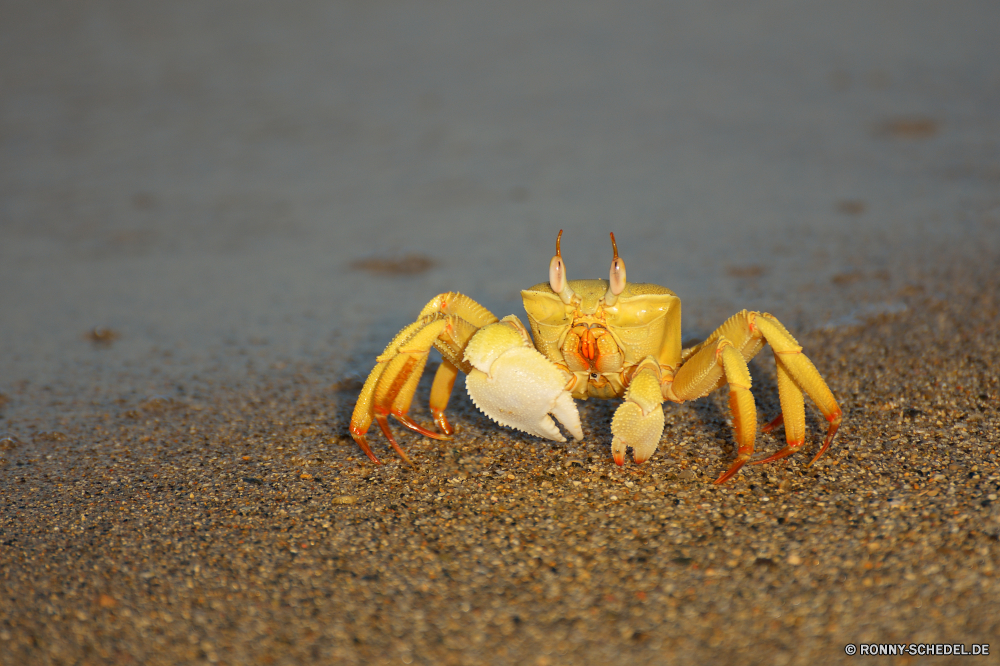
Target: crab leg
<point x="710" y="368"/>
<point x="747" y="332"/>
<point x="796" y="373"/>
<point x="363" y="414"/>
<point x="447" y="323"/>
<point x="390" y="388"/>
<point x="444" y="380"/>
<point x="793" y="404"/>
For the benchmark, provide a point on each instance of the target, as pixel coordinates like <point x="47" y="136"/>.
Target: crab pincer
<point x="513" y="384"/>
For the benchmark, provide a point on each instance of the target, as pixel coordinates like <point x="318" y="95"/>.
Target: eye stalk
<point x="616" y="280"/>
<point x="557" y="275"/>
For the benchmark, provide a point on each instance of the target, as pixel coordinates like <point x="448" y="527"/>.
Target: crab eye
<point x="617" y="276"/>
<point x="557" y="274"/>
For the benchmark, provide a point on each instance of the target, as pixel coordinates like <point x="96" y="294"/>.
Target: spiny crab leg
<point x="722" y="359"/>
<point x="796" y="375"/>
<point x="444" y="381"/>
<point x="742" y="406"/>
<point x="447" y="323"/>
<point x="364" y="412"/>
<point x="788" y="450"/>
<point x="391" y="392"/>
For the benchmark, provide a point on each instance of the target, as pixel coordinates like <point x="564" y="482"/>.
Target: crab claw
<point x="638" y="422"/>
<point x="513" y="384"/>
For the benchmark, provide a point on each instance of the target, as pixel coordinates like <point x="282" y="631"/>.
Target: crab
<point x="589" y="339"/>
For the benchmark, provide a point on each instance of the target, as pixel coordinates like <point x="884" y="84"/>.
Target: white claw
<point x="513" y="384"/>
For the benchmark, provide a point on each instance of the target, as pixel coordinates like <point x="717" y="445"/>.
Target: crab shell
<point x="600" y="344"/>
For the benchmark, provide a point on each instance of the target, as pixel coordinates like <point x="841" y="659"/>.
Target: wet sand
<point x="240" y="524"/>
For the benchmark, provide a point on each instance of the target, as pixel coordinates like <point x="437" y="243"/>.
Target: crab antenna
<point x="616" y="281"/>
<point x="557" y="275"/>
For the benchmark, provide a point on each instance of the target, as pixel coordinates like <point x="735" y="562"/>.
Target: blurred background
<point x="212" y="189"/>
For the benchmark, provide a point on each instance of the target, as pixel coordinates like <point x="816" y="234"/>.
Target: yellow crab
<point x="592" y="339"/>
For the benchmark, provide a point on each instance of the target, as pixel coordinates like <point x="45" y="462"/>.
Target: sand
<point x="240" y="524"/>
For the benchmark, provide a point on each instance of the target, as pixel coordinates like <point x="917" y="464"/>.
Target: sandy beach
<point x="240" y="524"/>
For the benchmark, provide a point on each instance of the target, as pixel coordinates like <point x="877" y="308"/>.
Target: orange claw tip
<point x="442" y="421"/>
<point x="787" y="451"/>
<point x="724" y="477"/>
<point x="619" y="459"/>
<point x="406" y="458"/>
<point x="778" y="420"/>
<point x="419" y="429"/>
<point x="363" y="443"/>
<point x="830" y="434"/>
<point x="826" y="445"/>
<point x="731" y="472"/>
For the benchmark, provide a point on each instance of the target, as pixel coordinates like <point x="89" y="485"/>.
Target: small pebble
<point x="344" y="499"/>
